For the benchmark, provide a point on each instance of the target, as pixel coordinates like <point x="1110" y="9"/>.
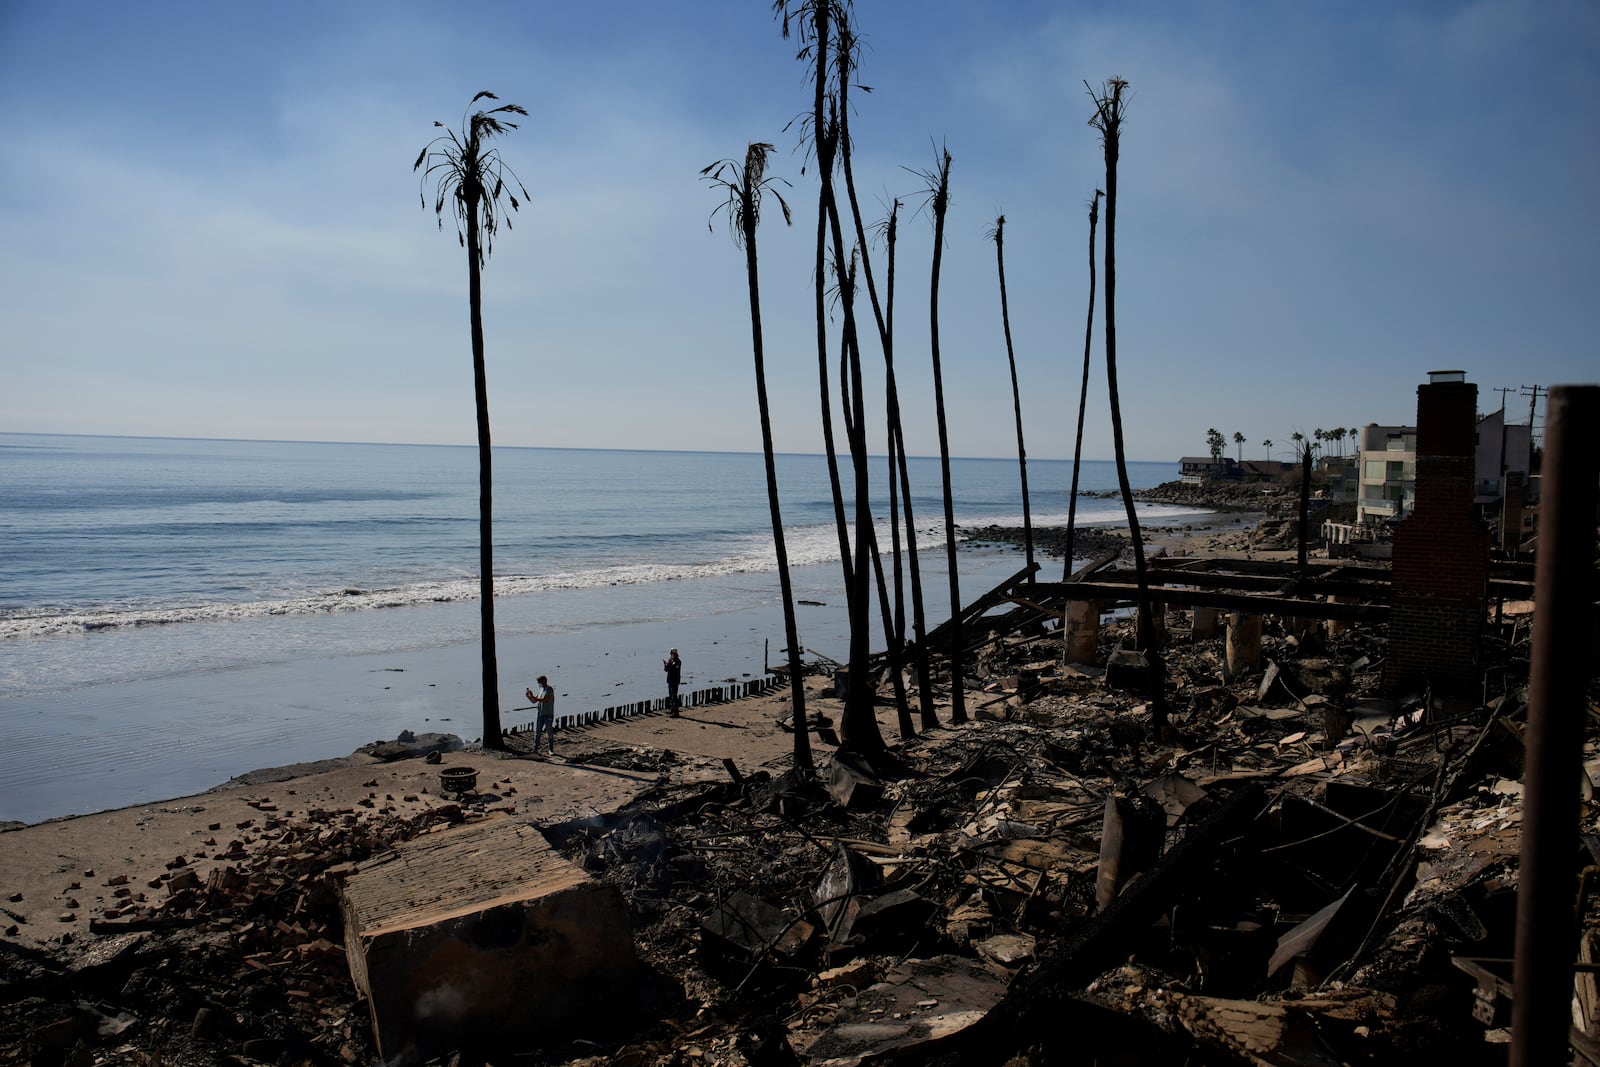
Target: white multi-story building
<point x="1388" y="477"/>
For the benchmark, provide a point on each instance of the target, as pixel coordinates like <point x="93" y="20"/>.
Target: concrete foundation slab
<point x="483" y="936"/>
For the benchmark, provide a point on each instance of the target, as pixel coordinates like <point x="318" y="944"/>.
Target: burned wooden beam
<point x="1046" y="592"/>
<point x="1032" y="1007"/>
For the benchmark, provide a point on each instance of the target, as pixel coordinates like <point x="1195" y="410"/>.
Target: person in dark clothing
<point x="674" y="668"/>
<point x="544" y="723"/>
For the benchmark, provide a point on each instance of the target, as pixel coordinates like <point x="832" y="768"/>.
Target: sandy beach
<point x="58" y="875"/>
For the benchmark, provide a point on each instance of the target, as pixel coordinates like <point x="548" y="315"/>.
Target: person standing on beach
<point x="674" y="668"/>
<point x="544" y="722"/>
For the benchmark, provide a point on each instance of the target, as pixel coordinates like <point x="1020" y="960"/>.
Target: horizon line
<point x="543" y="448"/>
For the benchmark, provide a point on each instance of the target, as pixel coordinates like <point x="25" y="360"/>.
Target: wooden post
<point x="1205" y="623"/>
<point x="1080" y="630"/>
<point x="1244" y="644"/>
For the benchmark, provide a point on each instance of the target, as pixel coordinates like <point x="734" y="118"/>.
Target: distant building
<point x="1387" y="485"/>
<point x="1388" y="467"/>
<point x="1197" y="469"/>
<point x="1501" y="451"/>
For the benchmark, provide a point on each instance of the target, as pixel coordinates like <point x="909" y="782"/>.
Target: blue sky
<point x="209" y="225"/>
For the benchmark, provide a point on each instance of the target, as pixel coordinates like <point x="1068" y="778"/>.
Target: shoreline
<point x="296" y="711"/>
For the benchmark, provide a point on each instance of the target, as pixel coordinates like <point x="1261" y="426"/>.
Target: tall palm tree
<point x="919" y="617"/>
<point x="1109" y="108"/>
<point x="846" y="55"/>
<point x="814" y="22"/>
<point x="468" y="175"/>
<point x="744" y="187"/>
<point x="1267" y="444"/>
<point x="817" y="21"/>
<point x="1083" y="394"/>
<point x="938" y="189"/>
<point x="859" y="721"/>
<point x="1238" y="441"/>
<point x="998" y="235"/>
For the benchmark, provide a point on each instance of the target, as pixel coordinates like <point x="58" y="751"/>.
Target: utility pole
<point x="1533" y="392"/>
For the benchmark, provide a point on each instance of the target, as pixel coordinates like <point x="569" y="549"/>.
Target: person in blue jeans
<point x="544" y="722"/>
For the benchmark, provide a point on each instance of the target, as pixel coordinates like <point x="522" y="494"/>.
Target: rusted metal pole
<point x="1563" y="621"/>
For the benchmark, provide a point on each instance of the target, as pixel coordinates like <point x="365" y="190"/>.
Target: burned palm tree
<point x="813" y="22"/>
<point x="743" y="187"/>
<point x="845" y="62"/>
<point x="817" y="20"/>
<point x="852" y="405"/>
<point x="998" y="236"/>
<point x="469" y="177"/>
<point x="1109" y="108"/>
<point x="898" y="464"/>
<point x="1083" y="394"/>
<point x="938" y="190"/>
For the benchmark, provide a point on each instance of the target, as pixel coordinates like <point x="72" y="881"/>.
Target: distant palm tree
<point x="1083" y="393"/>
<point x="998" y="236"/>
<point x="1238" y="440"/>
<point x="1267" y="444"/>
<point x="1109" y="109"/>
<point x="469" y="176"/>
<point x="938" y="189"/>
<point x="744" y="187"/>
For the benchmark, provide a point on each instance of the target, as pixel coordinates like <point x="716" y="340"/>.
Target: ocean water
<point x="145" y="579"/>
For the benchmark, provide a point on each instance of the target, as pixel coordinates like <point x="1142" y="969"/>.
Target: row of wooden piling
<point x="717" y="694"/>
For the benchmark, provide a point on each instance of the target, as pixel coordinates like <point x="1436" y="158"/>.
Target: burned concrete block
<point x="481" y="935"/>
<point x="851" y="780"/>
<point x="849" y="878"/>
<point x="748" y="927"/>
<point x="1128" y="670"/>
<point x="918" y="1006"/>
<point x="898" y="916"/>
<point x="1131" y="837"/>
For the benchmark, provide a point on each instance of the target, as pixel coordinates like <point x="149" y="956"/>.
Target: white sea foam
<point x="806" y="545"/>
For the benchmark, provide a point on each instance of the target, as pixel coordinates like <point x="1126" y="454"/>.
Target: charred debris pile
<point x="1299" y="872"/>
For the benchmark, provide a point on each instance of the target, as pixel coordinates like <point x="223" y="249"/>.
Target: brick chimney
<point x="1440" y="573"/>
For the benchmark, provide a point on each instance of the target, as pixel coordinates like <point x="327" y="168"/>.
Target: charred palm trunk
<point x="1016" y="393"/>
<point x="791" y="633"/>
<point x="1305" y="506"/>
<point x="1083" y="394"/>
<point x="824" y="140"/>
<point x="491" y="668"/>
<point x="853" y="428"/>
<point x="1108" y="119"/>
<point x="859" y="720"/>
<point x="941" y="203"/>
<point x="884" y="314"/>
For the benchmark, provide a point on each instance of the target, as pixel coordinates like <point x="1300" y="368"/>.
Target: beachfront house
<point x="1197" y="469"/>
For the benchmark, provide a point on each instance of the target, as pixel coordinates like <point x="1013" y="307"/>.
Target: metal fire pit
<point x="458" y="780"/>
